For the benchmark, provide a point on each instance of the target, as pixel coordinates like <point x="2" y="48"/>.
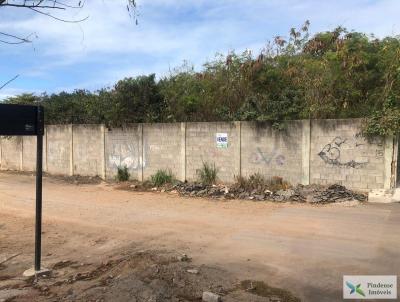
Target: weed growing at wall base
<point x="208" y="173"/>
<point x="162" y="177"/>
<point x="123" y="174"/>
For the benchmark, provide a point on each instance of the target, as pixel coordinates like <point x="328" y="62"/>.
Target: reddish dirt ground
<point x="111" y="245"/>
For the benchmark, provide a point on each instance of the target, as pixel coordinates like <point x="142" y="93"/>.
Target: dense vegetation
<point x="335" y="74"/>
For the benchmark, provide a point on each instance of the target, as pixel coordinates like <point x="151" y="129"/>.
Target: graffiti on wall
<point x="332" y="153"/>
<point x="126" y="154"/>
<point x="265" y="158"/>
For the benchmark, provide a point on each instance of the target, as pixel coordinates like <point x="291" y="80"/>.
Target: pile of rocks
<point x="337" y="193"/>
<point x="201" y="190"/>
<point x="300" y="193"/>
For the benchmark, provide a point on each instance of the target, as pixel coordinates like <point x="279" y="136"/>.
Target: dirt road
<point x="305" y="249"/>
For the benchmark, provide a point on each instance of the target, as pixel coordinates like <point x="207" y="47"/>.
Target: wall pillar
<point x="389" y="160"/>
<point x="141" y="153"/>
<point x="45" y="149"/>
<point x="395" y="165"/>
<point x="238" y="151"/>
<point x="183" y="152"/>
<point x="103" y="151"/>
<point x="71" y="147"/>
<point x="21" y="155"/>
<point x="1" y="152"/>
<point x="306" y="152"/>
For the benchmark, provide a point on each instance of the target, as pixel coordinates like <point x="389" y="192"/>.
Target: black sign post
<point x="28" y="120"/>
<point x="39" y="169"/>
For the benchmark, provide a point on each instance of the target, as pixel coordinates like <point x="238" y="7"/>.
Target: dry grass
<point x="260" y="183"/>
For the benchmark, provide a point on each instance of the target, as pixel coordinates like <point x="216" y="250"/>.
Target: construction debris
<point x="257" y="188"/>
<point x="210" y="297"/>
<point x="184" y="258"/>
<point x="311" y="193"/>
<point x="337" y="193"/>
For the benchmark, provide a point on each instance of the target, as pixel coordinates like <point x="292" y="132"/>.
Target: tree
<point x="135" y="100"/>
<point x="334" y="74"/>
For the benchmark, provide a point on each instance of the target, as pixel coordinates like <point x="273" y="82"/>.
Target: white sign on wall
<point x="222" y="140"/>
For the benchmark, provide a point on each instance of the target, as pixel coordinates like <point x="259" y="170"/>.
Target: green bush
<point x="123" y="174"/>
<point x="384" y="121"/>
<point x="208" y="173"/>
<point x="331" y="74"/>
<point x="162" y="177"/>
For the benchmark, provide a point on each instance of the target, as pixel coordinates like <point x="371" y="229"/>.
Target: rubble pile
<point x="201" y="190"/>
<point x="337" y="193"/>
<point x="300" y="193"/>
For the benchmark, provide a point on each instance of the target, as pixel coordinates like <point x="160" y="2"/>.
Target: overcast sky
<point x="109" y="46"/>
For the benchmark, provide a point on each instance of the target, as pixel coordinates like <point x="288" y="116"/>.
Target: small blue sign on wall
<point x="222" y="140"/>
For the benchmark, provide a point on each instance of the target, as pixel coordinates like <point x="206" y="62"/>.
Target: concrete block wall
<point x="59" y="147"/>
<point x="339" y="154"/>
<point x="201" y="146"/>
<point x="123" y="147"/>
<point x="272" y="152"/>
<point x="316" y="151"/>
<point x="29" y="153"/>
<point x="162" y="149"/>
<point x="11" y="148"/>
<point x="88" y="150"/>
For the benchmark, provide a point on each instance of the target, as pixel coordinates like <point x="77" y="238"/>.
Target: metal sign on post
<point x="18" y="120"/>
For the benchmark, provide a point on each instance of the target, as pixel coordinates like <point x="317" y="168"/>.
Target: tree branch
<point x="56" y="18"/>
<point x="32" y="6"/>
<point x="53" y="4"/>
<point x="8" y="82"/>
<point x="38" y="5"/>
<point x="19" y="39"/>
